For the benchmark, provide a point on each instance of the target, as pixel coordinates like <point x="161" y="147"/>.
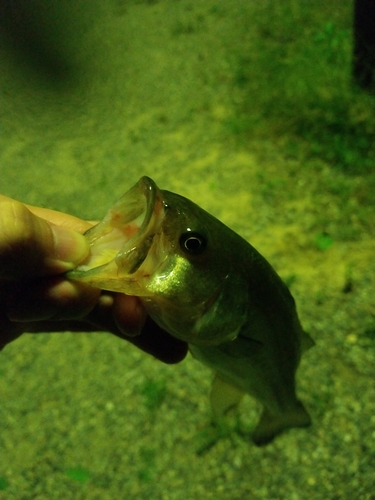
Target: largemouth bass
<point x="204" y="284"/>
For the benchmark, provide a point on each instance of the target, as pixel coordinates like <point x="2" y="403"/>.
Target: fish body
<point x="206" y="285"/>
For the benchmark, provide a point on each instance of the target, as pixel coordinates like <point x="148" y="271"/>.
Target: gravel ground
<point x="91" y="417"/>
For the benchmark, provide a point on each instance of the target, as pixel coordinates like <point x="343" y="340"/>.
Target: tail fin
<point x="271" y="425"/>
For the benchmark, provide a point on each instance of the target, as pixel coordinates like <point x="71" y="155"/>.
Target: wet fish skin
<point x="205" y="284"/>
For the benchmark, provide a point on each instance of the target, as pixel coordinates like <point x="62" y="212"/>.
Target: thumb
<point x="32" y="247"/>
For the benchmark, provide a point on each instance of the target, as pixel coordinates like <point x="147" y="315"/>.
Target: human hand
<point x="36" y="247"/>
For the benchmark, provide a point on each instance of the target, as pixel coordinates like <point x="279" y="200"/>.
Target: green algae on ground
<point x="3" y="483"/>
<point x="79" y="474"/>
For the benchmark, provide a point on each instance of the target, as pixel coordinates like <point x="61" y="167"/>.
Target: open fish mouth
<point x="121" y="242"/>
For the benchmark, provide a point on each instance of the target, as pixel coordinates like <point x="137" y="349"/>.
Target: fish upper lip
<point x="150" y="191"/>
<point x="134" y="252"/>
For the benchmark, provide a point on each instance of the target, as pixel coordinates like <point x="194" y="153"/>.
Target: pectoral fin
<point x="241" y="347"/>
<point x="224" y="396"/>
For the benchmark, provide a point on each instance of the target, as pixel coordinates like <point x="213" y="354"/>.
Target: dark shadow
<point x="32" y="32"/>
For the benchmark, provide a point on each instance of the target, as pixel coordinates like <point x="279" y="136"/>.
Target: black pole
<point x="364" y="44"/>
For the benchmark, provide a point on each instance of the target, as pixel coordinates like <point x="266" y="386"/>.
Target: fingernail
<point x="70" y="246"/>
<point x="135" y="329"/>
<point x="129" y="315"/>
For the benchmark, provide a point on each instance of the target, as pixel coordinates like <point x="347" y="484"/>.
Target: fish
<point x="206" y="285"/>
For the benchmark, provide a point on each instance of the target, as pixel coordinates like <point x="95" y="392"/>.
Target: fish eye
<point x="193" y="243"/>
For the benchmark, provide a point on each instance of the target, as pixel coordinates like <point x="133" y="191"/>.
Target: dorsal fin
<point x="306" y="341"/>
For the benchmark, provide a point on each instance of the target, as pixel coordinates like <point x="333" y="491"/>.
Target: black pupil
<point x="193" y="243"/>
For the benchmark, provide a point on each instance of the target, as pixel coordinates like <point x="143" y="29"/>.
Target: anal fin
<point x="224" y="396"/>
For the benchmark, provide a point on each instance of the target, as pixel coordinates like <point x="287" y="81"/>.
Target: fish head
<point x="176" y="257"/>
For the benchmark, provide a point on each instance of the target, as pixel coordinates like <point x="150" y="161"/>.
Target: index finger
<point x="32" y="246"/>
<point x="56" y="217"/>
<point x="61" y="219"/>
